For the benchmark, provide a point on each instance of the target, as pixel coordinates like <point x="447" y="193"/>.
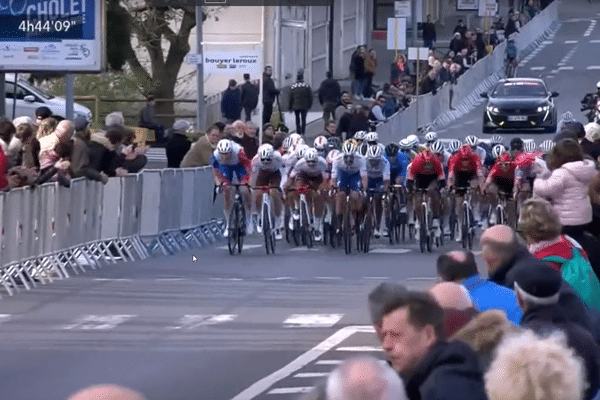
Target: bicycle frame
<point x="267" y="218"/>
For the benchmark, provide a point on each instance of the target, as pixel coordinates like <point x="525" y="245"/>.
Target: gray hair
<point x="383" y="294"/>
<point x="365" y="378"/>
<point x="114" y="119"/>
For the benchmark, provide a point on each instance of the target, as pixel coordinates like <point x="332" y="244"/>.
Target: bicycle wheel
<point x="286" y="226"/>
<point x="429" y="232"/>
<point x="367" y="228"/>
<point x="266" y="225"/>
<point x="499" y="216"/>
<point x="347" y="232"/>
<point x="241" y="227"/>
<point x="465" y="227"/>
<point x="307" y="232"/>
<point x="232" y="234"/>
<point x="297" y="232"/>
<point x="423" y="230"/>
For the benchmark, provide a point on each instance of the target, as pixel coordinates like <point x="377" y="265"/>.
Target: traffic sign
<point x="194" y="59"/>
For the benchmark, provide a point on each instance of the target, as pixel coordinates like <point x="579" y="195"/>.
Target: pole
<point x="413" y="13"/>
<point x="2" y="94"/>
<point x="69" y="94"/>
<point x="417" y="89"/>
<point x="200" y="109"/>
<point x="15" y="88"/>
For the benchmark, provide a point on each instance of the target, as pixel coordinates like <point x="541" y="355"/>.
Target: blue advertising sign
<point x="51" y="35"/>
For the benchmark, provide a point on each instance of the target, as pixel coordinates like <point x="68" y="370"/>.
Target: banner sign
<point x="52" y="35"/>
<point x="232" y="63"/>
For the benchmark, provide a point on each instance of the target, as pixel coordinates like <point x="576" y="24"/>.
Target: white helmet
<point x="348" y="148"/>
<point x="437" y="147"/>
<point x="404" y="144"/>
<point x="529" y="146"/>
<point x="265" y="152"/>
<point x="471" y="140"/>
<point x="497" y="139"/>
<point x="413" y="140"/>
<point x="360" y="135"/>
<point x="455" y="145"/>
<point x="598" y="85"/>
<point x="374" y="152"/>
<point x="333" y="154"/>
<point x="224" y="146"/>
<point x="320" y="143"/>
<point x="311" y="155"/>
<point x="547" y="145"/>
<point x="372" y="137"/>
<point x="287" y="143"/>
<point x="431" y="136"/>
<point x="498" y="150"/>
<point x="301" y="150"/>
<point x="296" y="137"/>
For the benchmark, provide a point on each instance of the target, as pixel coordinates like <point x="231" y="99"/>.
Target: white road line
<point x="377" y="278"/>
<point x="550" y="76"/>
<point x="359" y="348"/>
<point x="329" y="362"/>
<point x="538" y="68"/>
<point x="547" y="42"/>
<point x="311" y="374"/>
<point x="329" y="278"/>
<point x="312" y="320"/>
<point x="112" y="279"/>
<point x="304" y="359"/>
<point x="170" y="279"/>
<point x="565" y="68"/>
<point x="5" y="317"/>
<point x="98" y="322"/>
<point x="593" y="67"/>
<point x="195" y="321"/>
<point x="278" y="278"/>
<point x="389" y="251"/>
<point x="288" y="390"/>
<point x="304" y="249"/>
<point x="226" y="279"/>
<point x="590" y="29"/>
<point x="570" y="41"/>
<point x="246" y="247"/>
<point x="595" y="41"/>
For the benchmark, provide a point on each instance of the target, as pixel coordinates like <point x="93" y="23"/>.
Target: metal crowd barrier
<point x="51" y="232"/>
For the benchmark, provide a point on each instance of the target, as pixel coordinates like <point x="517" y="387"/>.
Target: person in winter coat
<point x="566" y="187"/>
<point x="178" y="144"/>
<point x="80" y="160"/>
<point x="456" y="43"/>
<point x="147" y="120"/>
<point x="270" y="92"/>
<point x="512" y="25"/>
<point x="249" y="97"/>
<point x="301" y="98"/>
<point x="370" y="70"/>
<point x="202" y="150"/>
<point x="102" y="151"/>
<point x="231" y="103"/>
<point x="433" y="369"/>
<point x="429" y="36"/>
<point x="399" y="69"/>
<point x="591" y="142"/>
<point x="357" y="67"/>
<point x="330" y="94"/>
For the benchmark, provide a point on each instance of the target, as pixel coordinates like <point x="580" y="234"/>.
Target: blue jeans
<point x="358" y="86"/>
<point x="428" y="43"/>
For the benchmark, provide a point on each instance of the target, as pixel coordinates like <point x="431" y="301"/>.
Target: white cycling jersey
<point x="225" y="159"/>
<point x="304" y="168"/>
<point x="358" y="165"/>
<point x="378" y="168"/>
<point x="275" y="164"/>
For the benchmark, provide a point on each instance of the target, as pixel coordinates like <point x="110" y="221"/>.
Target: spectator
<point x="249" y="97"/>
<point x="147" y="120"/>
<point x="107" y="392"/>
<point x="42" y="113"/>
<point x="467" y="60"/>
<point x="102" y="150"/>
<point x="412" y="331"/>
<point x="178" y="144"/>
<point x="376" y="113"/>
<point x="540" y="226"/>
<point x="7" y="130"/>
<point x="330" y="95"/>
<point x="504" y="255"/>
<point x="343" y="127"/>
<point x="456" y="43"/>
<point x="364" y="378"/>
<point x="343" y="107"/>
<point x="591" y="142"/>
<point x="461" y="28"/>
<point x="201" y="152"/>
<point x="537" y="289"/>
<point x="429" y="36"/>
<point x="370" y="70"/>
<point x="231" y="105"/>
<point x="461" y="267"/>
<point x="268" y="134"/>
<point x="531" y="9"/>
<point x="385" y="293"/>
<point x="457" y="305"/>
<point x="269" y="94"/>
<point x="445" y="75"/>
<point x="531" y="368"/>
<point x="301" y="98"/>
<point x="63" y="133"/>
<point x="330" y="129"/>
<point x="359" y="120"/>
<point x="45" y="127"/>
<point x="399" y="69"/>
<point x="428" y="85"/>
<point x="480" y="46"/>
<point x="30" y="151"/>
<point x="249" y="140"/>
<point x="278" y="141"/>
<point x="80" y="160"/>
<point x="357" y="67"/>
<point x="594" y="192"/>
<point x="236" y="131"/>
<point x="512" y="26"/>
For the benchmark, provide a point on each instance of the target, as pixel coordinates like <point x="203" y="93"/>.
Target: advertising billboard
<point x="52" y="35"/>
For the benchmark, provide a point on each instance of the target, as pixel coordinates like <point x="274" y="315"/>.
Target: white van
<point x="29" y="99"/>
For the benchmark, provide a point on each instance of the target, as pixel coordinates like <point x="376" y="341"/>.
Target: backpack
<point x="578" y="272"/>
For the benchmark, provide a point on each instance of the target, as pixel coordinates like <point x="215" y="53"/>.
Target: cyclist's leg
<point x="318" y="204"/>
<point x="434" y="195"/>
<point x="275" y="182"/>
<point x="460" y="198"/>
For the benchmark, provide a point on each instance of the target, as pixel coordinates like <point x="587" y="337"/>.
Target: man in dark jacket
<point x="249" y="97"/>
<point x="359" y="121"/>
<point x="231" y="103"/>
<point x="301" y="98"/>
<point x="178" y="144"/>
<point x="538" y="291"/>
<point x="330" y="94"/>
<point x="429" y="36"/>
<point x="147" y="120"/>
<point x="269" y="94"/>
<point x="432" y="368"/>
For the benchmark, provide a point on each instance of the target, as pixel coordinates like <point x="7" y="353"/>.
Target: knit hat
<point x="22" y="120"/>
<point x="114" y="118"/>
<point x="80" y="123"/>
<point x="181" y="126"/>
<point x="540" y="281"/>
<point x="592" y="132"/>
<point x="43" y="112"/>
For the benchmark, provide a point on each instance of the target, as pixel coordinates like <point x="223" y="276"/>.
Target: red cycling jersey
<point x="464" y="161"/>
<point x="425" y="163"/>
<point x="503" y="170"/>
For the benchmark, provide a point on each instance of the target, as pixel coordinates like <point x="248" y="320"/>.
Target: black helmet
<point x="391" y="150"/>
<point x="516" y="144"/>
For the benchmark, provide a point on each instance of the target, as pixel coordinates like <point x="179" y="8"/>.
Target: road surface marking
<point x="195" y="321"/>
<point x="550" y="76"/>
<point x="547" y="42"/>
<point x="538" y="68"/>
<point x="570" y="41"/>
<point x="4" y="317"/>
<point x="329" y="278"/>
<point x="226" y="279"/>
<point x="311" y="375"/>
<point x="246" y="247"/>
<point x="98" y="322"/>
<point x="290" y="390"/>
<point x="590" y="28"/>
<point x="304" y="359"/>
<point x="389" y="251"/>
<point x="170" y="279"/>
<point x="593" y="67"/>
<point x="113" y="279"/>
<point x="312" y="320"/>
<point x="304" y="249"/>
<point x="278" y="278"/>
<point x="359" y="348"/>
<point x="377" y="278"/>
<point x="329" y="362"/>
<point x="565" y="68"/>
<point x="595" y="41"/>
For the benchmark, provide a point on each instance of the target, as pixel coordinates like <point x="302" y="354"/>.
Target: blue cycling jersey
<point x="399" y="166"/>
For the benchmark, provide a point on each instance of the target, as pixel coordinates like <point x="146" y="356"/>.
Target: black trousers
<point x="248" y="112"/>
<point x="301" y="121"/>
<point x="267" y="111"/>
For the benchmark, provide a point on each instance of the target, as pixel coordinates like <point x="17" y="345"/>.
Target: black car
<point x="520" y="104"/>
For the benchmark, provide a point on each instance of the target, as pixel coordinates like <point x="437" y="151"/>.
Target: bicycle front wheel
<point x="266" y="226"/>
<point x="232" y="232"/>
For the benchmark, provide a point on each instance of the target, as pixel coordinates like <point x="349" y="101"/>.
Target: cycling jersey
<point x="276" y="164"/>
<point x="525" y="163"/>
<point x="304" y="168"/>
<point x="464" y="164"/>
<point x="225" y="166"/>
<point x="348" y="175"/>
<point x="505" y="172"/>
<point x="399" y="167"/>
<point x="481" y="153"/>
<point x="422" y="166"/>
<point x="378" y="168"/>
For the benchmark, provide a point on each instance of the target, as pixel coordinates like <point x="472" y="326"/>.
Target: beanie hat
<point x="540" y="281"/>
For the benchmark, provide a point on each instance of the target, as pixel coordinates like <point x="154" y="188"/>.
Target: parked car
<point x="520" y="104"/>
<point x="29" y="98"/>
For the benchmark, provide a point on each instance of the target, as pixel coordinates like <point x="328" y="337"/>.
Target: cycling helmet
<point x="372" y="137"/>
<point x="374" y="152"/>
<point x="413" y="140"/>
<point x="287" y="143"/>
<point x="547" y="145"/>
<point x="529" y="146"/>
<point x="301" y="150"/>
<point x="516" y="144"/>
<point x="455" y="145"/>
<point x="349" y="148"/>
<point x="333" y="154"/>
<point x="497" y="139"/>
<point x="405" y="144"/>
<point x="471" y="140"/>
<point x="224" y="146"/>
<point x="334" y="143"/>
<point x="391" y="150"/>
<point x="498" y="150"/>
<point x="431" y="136"/>
<point x="598" y="85"/>
<point x="311" y="155"/>
<point x="567" y="116"/>
<point x="320" y="143"/>
<point x="265" y="152"/>
<point x="437" y="147"/>
<point x="360" y="135"/>
<point x="295" y="137"/>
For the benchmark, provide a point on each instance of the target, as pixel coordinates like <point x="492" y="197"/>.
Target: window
<point x="382" y="10"/>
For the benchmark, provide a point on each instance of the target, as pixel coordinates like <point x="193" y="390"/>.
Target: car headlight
<point x="543" y="108"/>
<point x="494" y="110"/>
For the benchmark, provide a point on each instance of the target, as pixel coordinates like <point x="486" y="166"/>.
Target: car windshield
<point x="520" y="89"/>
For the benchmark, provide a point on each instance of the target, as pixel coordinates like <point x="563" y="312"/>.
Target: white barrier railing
<point x="51" y="232"/>
<point x="431" y="107"/>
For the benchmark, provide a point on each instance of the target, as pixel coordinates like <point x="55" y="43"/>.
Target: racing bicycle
<point x="237" y="221"/>
<point x="267" y="218"/>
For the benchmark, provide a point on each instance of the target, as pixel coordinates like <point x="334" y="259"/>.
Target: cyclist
<point x="501" y="179"/>
<point x="334" y="143"/>
<point x="526" y="164"/>
<point x="406" y="148"/>
<point x="321" y="144"/>
<point x="546" y="146"/>
<point x="516" y="147"/>
<point x="511" y="58"/>
<point x="398" y="163"/>
<point x="454" y="146"/>
<point x="426" y="173"/>
<point x="267" y="167"/>
<point x="229" y="159"/>
<point x="286" y="146"/>
<point x="472" y="141"/>
<point x="378" y="178"/>
<point x="464" y="173"/>
<point x="349" y="171"/>
<point x="372" y="139"/>
<point x="359" y="137"/>
<point x="430" y="139"/>
<point x="311" y="171"/>
<point x="416" y="146"/>
<point x="437" y="148"/>
<point x="489" y="157"/>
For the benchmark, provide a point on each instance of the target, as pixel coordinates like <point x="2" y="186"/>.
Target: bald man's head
<point x="456" y="266"/>
<point x="107" y="392"/>
<point x="498" y="245"/>
<point x="451" y="295"/>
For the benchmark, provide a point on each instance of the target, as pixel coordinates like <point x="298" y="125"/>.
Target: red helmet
<point x="465" y="151"/>
<point x="525" y="160"/>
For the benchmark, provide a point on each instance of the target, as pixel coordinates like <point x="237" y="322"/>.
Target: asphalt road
<point x="243" y="327"/>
